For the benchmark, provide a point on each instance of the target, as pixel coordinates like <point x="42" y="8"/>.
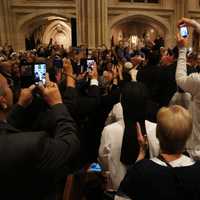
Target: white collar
<point x="183" y="161"/>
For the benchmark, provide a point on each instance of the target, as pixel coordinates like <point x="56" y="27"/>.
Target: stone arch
<point x="50" y="32"/>
<point x="153" y="19"/>
<point x="35" y="18"/>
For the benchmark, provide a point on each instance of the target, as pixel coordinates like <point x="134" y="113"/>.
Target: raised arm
<point x="191" y="23"/>
<point x="187" y="83"/>
<point x="60" y="153"/>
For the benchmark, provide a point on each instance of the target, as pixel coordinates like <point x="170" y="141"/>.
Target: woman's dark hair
<point x="134" y="98"/>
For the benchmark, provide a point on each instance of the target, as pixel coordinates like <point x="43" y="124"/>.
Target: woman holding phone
<point x="189" y="83"/>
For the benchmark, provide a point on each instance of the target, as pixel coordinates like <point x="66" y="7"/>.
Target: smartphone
<point x="40" y="73"/>
<point x="90" y="64"/>
<point x="184" y="32"/>
<point x="95" y="167"/>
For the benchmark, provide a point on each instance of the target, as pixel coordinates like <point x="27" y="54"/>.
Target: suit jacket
<point x="83" y="106"/>
<point x="32" y="163"/>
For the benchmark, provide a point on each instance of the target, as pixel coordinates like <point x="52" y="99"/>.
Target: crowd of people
<point x="134" y="112"/>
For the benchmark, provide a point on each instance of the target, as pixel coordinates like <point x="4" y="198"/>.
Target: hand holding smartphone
<point x="184" y="32"/>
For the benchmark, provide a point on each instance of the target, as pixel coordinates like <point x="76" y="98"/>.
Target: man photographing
<point x="33" y="163"/>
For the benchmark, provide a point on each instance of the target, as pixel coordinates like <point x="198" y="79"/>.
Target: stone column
<point x="3" y="35"/>
<point x="102" y="22"/>
<point x="179" y="9"/>
<point x="81" y="22"/>
<point x="186" y="8"/>
<point x="92" y="22"/>
<point x="91" y="18"/>
<point x="6" y="22"/>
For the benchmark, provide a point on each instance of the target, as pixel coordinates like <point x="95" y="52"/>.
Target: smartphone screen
<point x="90" y="64"/>
<point x="40" y="73"/>
<point x="184" y="31"/>
<point x="95" y="167"/>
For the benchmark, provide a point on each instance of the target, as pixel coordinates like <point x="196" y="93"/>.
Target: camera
<point x="184" y="32"/>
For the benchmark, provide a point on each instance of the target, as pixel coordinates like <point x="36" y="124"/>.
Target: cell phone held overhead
<point x="184" y="31"/>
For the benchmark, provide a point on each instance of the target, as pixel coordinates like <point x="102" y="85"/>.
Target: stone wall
<point x="95" y="18"/>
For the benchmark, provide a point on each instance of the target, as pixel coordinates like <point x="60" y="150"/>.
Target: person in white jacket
<point x="111" y="143"/>
<point x="190" y="83"/>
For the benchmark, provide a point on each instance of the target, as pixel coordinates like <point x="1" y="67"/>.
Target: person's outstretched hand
<point x="143" y="142"/>
<point x="188" y="22"/>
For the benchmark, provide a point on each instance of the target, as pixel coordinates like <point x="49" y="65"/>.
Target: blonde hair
<point x="174" y="126"/>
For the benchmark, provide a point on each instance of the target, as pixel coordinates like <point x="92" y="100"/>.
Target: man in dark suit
<point x="33" y="163"/>
<point x="83" y="105"/>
